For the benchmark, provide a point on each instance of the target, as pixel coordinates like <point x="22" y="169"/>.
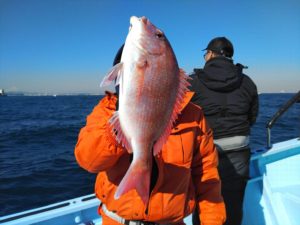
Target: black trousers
<point x="234" y="173"/>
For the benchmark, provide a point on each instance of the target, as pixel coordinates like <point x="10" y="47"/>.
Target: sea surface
<point x="38" y="135"/>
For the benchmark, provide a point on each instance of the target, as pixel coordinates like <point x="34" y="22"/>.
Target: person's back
<point x="227" y="96"/>
<point x="230" y="103"/>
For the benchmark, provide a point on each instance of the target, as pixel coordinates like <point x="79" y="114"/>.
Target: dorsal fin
<point x="182" y="89"/>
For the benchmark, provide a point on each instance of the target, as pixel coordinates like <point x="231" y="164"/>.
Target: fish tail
<point x="137" y="177"/>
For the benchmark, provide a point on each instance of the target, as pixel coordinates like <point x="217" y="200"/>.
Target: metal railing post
<point x="288" y="104"/>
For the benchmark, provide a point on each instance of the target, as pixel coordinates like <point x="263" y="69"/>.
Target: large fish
<point x="152" y="88"/>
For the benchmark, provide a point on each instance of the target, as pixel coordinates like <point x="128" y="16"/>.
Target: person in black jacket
<point x="229" y="100"/>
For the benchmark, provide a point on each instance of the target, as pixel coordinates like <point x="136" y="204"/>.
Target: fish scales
<point x="151" y="92"/>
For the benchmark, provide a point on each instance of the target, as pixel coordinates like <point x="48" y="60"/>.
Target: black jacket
<point x="227" y="96"/>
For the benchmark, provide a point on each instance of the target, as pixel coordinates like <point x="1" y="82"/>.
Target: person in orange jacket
<point x="184" y="175"/>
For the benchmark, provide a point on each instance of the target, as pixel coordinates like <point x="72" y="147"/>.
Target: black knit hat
<point x="221" y="45"/>
<point x="117" y="60"/>
<point x="118" y="56"/>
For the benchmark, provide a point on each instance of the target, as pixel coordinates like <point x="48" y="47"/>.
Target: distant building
<point x="2" y="93"/>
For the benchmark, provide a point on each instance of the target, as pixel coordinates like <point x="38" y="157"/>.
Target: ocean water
<point x="38" y="135"/>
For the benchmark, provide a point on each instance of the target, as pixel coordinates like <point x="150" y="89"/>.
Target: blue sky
<point x="67" y="46"/>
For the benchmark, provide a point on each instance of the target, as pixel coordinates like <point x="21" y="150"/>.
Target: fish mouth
<point x="143" y="19"/>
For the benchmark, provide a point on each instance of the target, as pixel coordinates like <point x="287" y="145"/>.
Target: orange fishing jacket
<point x="187" y="169"/>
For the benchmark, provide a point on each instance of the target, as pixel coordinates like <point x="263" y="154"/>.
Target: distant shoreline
<point x="93" y="94"/>
<point x="51" y="95"/>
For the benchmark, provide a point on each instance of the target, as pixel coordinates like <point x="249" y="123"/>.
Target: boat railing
<point x="285" y="107"/>
<point x="48" y="212"/>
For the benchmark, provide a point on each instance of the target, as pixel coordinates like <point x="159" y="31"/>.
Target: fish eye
<point x="159" y="35"/>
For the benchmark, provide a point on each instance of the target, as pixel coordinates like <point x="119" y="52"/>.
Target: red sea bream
<point x="152" y="88"/>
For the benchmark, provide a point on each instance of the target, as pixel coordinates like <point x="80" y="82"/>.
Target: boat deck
<point x="273" y="192"/>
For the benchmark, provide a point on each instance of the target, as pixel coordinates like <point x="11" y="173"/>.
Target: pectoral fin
<point x="113" y="75"/>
